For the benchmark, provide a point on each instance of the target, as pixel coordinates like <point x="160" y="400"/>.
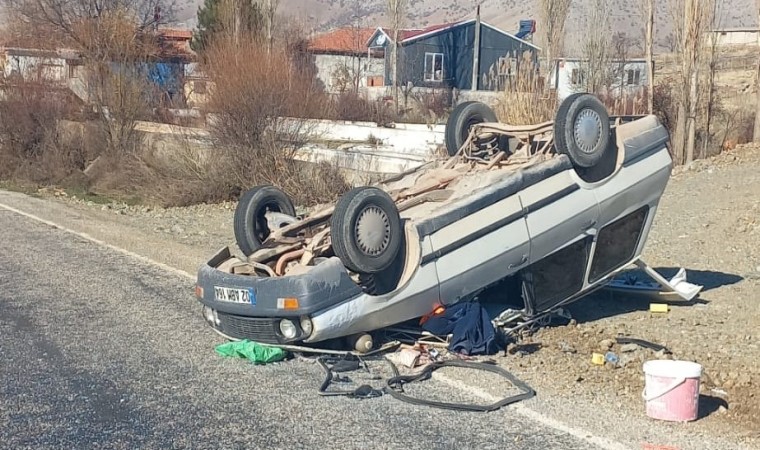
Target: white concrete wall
<point x="416" y="139"/>
<point x="565" y="86"/>
<point x="362" y="67"/>
<point x="399" y="149"/>
<point x="30" y="67"/>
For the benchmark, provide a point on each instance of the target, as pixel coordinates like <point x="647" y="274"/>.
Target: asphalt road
<point x="100" y="350"/>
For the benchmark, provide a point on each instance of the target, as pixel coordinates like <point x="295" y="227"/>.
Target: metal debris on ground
<point x="395" y="386"/>
<point x="627" y="342"/>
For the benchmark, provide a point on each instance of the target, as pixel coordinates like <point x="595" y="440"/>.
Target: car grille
<point x="251" y="328"/>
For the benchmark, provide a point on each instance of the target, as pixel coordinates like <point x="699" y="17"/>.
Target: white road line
<point x="534" y="415"/>
<point x="521" y="409"/>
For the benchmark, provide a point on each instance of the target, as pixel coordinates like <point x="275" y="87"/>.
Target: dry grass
<point x="524" y="100"/>
<point x="30" y="146"/>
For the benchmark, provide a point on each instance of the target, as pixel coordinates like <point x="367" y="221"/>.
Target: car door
<point x="561" y="217"/>
<point x="481" y="248"/>
<point x="558" y="212"/>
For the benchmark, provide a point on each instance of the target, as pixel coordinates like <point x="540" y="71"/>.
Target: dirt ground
<point x="708" y="222"/>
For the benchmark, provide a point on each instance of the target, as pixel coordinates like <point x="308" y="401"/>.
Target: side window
<point x="616" y="243"/>
<point x="559" y="275"/>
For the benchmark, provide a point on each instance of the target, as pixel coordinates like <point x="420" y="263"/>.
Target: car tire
<point x="366" y="230"/>
<point x="462" y="118"/>
<point x="250" y="224"/>
<point x="582" y="129"/>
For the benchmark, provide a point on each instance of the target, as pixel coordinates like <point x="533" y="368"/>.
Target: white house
<point x="344" y="61"/>
<point x="736" y="36"/>
<point x="43" y="65"/>
<point x="567" y="76"/>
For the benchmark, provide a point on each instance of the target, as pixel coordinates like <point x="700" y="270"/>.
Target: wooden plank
<point x="433" y="196"/>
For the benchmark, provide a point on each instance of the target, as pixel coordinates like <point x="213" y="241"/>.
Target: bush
<point x="258" y="102"/>
<point x="30" y="148"/>
<point x="664" y="103"/>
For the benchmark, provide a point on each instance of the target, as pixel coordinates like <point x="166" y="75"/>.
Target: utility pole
<point x="476" y="53"/>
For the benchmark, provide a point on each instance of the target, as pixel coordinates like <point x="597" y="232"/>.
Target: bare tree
<point x="691" y="19"/>
<point x="553" y="17"/>
<point x="756" y="133"/>
<point x="712" y="67"/>
<point x="649" y="50"/>
<point x="699" y="18"/>
<point x="68" y="16"/>
<point x="596" y="49"/>
<point x="397" y="13"/>
<point x="115" y="42"/>
<point x="677" y="10"/>
<point x="621" y="45"/>
<point x="270" y="10"/>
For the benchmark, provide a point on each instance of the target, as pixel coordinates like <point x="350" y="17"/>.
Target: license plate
<point x="233" y="295"/>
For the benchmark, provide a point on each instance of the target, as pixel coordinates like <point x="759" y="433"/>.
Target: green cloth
<point x="257" y="353"/>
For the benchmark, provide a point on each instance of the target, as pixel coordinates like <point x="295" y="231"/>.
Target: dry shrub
<point x="427" y="105"/>
<point x="30" y="148"/>
<point x="624" y="103"/>
<point x="665" y="105"/>
<point x="524" y="100"/>
<point x="258" y="102"/>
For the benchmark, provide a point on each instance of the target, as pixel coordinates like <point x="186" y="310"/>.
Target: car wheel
<point x="582" y="129"/>
<point x="250" y="225"/>
<point x="462" y="118"/>
<point x="366" y="230"/>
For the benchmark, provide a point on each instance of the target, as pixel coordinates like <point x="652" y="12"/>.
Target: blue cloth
<point x="470" y="326"/>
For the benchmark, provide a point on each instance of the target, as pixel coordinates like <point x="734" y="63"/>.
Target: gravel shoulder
<point x="708" y="222"/>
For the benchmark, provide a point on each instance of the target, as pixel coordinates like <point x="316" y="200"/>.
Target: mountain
<point x="625" y="15"/>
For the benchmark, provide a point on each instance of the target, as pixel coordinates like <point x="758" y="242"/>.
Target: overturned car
<point x="547" y="213"/>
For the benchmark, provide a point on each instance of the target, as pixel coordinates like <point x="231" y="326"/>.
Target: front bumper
<point x="326" y="285"/>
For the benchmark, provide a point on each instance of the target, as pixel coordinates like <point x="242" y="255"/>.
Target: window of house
<point x="72" y="71"/>
<point x="199" y="87"/>
<point x="507" y="66"/>
<point x="633" y="76"/>
<point x="433" y="66"/>
<point x="577" y="77"/>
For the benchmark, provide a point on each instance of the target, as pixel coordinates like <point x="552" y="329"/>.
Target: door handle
<point x="522" y="262"/>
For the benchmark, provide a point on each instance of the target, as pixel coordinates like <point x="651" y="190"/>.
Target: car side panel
<point x="481" y="249"/>
<point x="559" y="212"/>
<point x="640" y="183"/>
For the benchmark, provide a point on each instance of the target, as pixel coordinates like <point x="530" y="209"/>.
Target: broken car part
<point x="347" y="363"/>
<point x="641" y="343"/>
<point x="396" y="386"/>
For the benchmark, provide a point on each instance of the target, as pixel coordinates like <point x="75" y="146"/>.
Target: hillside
<point x="625" y="14"/>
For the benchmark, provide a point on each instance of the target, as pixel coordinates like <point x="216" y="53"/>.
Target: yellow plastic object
<point x="597" y="358"/>
<point x="658" y="308"/>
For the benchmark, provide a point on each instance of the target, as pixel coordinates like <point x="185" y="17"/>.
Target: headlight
<point x="288" y="329"/>
<point x="306" y="325"/>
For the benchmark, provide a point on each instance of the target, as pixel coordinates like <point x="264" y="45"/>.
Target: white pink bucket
<point x="671" y="391"/>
